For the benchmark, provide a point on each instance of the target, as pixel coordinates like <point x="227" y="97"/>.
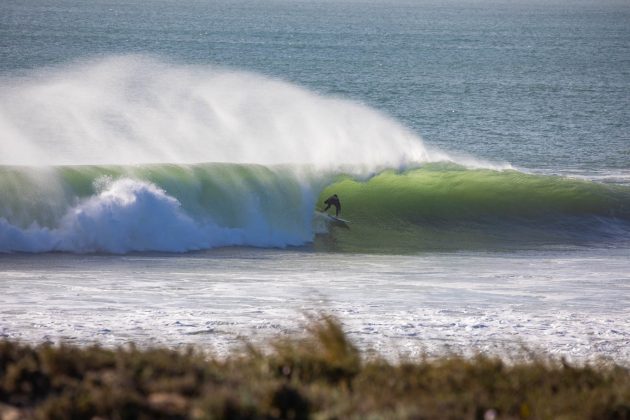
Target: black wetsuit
<point x="333" y="201"/>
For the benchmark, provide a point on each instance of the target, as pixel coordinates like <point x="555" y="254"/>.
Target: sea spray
<point x="138" y="109"/>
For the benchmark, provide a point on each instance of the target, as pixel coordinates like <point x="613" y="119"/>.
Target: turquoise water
<point x="161" y="163"/>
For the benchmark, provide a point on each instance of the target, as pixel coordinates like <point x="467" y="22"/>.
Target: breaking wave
<point x="178" y="208"/>
<point x="112" y="155"/>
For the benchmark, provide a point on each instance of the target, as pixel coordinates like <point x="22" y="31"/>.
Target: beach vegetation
<point x="318" y="375"/>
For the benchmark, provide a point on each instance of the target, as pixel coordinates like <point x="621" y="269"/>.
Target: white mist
<point x="136" y="109"/>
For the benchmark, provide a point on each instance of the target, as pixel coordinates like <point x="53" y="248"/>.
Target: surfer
<point x="333" y="201"/>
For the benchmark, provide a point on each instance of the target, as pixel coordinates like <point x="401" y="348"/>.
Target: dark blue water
<point x="542" y="86"/>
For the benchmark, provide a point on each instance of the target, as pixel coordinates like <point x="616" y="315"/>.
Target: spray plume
<point x="137" y="109"/>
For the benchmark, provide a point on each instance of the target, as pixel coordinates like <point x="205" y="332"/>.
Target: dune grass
<point x="319" y="375"/>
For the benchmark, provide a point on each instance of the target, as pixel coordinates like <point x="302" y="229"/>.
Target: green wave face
<point x="186" y="207"/>
<point x="449" y="207"/>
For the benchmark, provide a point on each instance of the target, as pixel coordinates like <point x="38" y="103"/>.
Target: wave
<point x="172" y="208"/>
<point x="178" y="208"/>
<point x="446" y="192"/>
<point x="114" y="151"/>
<point x="446" y="206"/>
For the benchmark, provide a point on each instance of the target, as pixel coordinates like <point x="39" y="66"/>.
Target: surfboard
<point x="339" y="219"/>
<point x="339" y="222"/>
<point x="335" y="221"/>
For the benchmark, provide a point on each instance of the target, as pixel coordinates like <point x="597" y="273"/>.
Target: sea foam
<point x="132" y="215"/>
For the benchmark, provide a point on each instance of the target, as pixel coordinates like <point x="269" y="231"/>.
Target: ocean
<point x="163" y="167"/>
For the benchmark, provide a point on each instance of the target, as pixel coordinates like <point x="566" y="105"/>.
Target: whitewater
<point x="159" y="196"/>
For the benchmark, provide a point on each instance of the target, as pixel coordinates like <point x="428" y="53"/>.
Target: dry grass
<point x="321" y="375"/>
